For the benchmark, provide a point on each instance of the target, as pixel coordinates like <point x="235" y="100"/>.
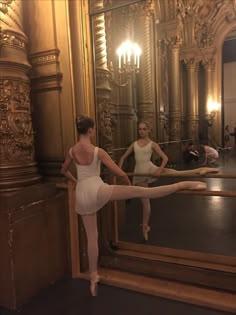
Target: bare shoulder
<point x="101" y="153"/>
<point x="155" y="145"/>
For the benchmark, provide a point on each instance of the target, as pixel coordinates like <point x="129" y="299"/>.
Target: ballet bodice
<point x="87" y="171"/>
<point x="142" y="154"/>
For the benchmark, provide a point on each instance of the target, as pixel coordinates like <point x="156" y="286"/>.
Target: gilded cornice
<point x="13" y="39"/>
<point x="45" y="57"/>
<point x="46" y="71"/>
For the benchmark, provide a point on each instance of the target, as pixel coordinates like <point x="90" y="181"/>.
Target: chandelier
<point x="128" y="57"/>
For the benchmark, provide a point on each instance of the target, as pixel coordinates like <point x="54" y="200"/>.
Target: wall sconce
<point x="128" y="63"/>
<point x="128" y="57"/>
<point x="213" y="109"/>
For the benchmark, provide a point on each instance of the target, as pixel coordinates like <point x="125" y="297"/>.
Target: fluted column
<point x="103" y="90"/>
<point x="17" y="163"/>
<point x="192" y="116"/>
<point x="145" y="79"/>
<point x="174" y="91"/>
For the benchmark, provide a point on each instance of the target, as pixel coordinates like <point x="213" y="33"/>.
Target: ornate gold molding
<point x="51" y="80"/>
<point x="44" y="57"/>
<point x="13" y="39"/>
<point x="16" y="133"/>
<point x="4" y="5"/>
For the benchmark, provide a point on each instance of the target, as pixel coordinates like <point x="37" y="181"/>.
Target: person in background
<point x="211" y="155"/>
<point x="190" y="154"/>
<point x="227" y="137"/>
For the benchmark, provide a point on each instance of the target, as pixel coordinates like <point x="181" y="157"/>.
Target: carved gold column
<point x="145" y="79"/>
<point x="174" y="91"/>
<point x="103" y="89"/>
<point x="192" y="98"/>
<point x="17" y="164"/>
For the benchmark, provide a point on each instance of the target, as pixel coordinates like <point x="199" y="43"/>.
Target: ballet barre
<point x="160" y="143"/>
<point x="210" y="175"/>
<point x="218" y="193"/>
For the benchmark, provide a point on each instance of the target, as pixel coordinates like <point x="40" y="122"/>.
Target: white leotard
<point x="91" y="192"/>
<point x="143" y="163"/>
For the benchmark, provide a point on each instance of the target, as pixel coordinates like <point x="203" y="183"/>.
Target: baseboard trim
<point x="214" y="299"/>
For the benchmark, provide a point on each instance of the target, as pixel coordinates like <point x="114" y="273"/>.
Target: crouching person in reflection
<point x="92" y="193"/>
<point x="143" y="149"/>
<point x="190" y="154"/>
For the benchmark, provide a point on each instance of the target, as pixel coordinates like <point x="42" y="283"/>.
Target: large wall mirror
<point x="177" y="88"/>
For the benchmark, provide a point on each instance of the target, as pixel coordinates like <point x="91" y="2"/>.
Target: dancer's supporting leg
<point x="146" y="213"/>
<point x="90" y="225"/>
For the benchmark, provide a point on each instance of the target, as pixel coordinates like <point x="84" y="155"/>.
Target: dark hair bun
<point x="83" y="123"/>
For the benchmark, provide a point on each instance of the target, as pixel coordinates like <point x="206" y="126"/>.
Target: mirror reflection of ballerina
<point x="92" y="193"/>
<point x="143" y="149"/>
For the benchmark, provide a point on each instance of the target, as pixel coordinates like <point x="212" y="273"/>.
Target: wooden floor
<point x="71" y="297"/>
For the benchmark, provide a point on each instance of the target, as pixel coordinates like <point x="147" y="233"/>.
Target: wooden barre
<point x="209" y="175"/>
<point x="218" y="193"/>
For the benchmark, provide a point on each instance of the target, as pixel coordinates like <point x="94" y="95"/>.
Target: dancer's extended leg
<point x="195" y="171"/>
<point x="128" y="192"/>
<point x="90" y="225"/>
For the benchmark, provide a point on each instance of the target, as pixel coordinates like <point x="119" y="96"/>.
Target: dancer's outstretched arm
<point x="105" y="158"/>
<point x="126" y="154"/>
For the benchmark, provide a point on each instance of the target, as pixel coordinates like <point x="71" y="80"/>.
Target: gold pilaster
<point x="192" y="98"/>
<point x="174" y="91"/>
<point x="103" y="89"/>
<point x="145" y="79"/>
<point x="17" y="163"/>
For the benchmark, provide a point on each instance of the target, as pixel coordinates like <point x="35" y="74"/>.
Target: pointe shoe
<point x="206" y="170"/>
<point x="146" y="230"/>
<point x="94" y="284"/>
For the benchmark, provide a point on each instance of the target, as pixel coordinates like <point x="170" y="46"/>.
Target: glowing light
<point x="128" y="56"/>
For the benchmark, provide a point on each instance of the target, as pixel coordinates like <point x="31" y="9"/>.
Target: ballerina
<point x="143" y="149"/>
<point x="92" y="193"/>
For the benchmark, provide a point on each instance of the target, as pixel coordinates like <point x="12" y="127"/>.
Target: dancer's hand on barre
<point x="72" y="184"/>
<point x="157" y="173"/>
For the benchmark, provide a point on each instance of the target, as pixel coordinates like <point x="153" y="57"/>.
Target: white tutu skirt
<point x="144" y="168"/>
<point x="91" y="195"/>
